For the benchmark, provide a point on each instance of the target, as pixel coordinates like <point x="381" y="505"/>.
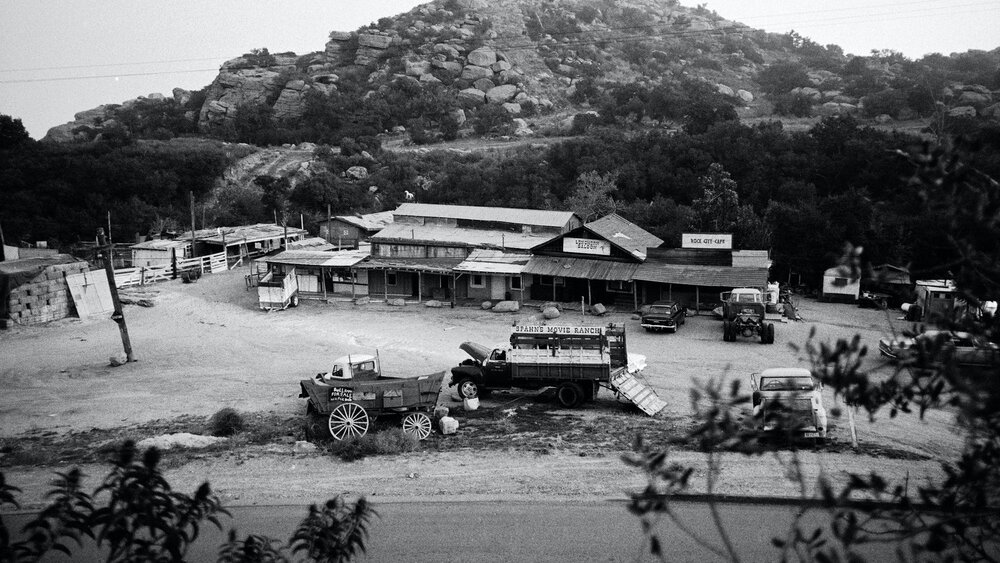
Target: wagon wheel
<point x="418" y="425"/>
<point x="348" y="420"/>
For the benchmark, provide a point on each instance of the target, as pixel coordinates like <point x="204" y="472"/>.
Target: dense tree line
<point x="62" y="194"/>
<point x="802" y="194"/>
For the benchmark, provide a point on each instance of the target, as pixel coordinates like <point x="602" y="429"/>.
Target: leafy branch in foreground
<point x="956" y="517"/>
<point x="145" y="520"/>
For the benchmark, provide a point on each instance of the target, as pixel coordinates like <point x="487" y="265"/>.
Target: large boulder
<point x="962" y="111"/>
<point x="483" y="56"/>
<point x="397" y="302"/>
<point x="551" y="313"/>
<point x="418" y="67"/>
<point x="356" y="173"/>
<point x="473" y="73"/>
<point x="501" y="94"/>
<point x="507" y="307"/>
<point x="374" y="40"/>
<point x="472" y="95"/>
<point x="745" y="96"/>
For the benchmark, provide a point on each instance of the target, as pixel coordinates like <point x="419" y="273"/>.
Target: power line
<point x="64" y="78"/>
<point x="164" y="61"/>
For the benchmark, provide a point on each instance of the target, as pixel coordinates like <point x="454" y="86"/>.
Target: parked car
<point x="968" y="349"/>
<point x="663" y="315"/>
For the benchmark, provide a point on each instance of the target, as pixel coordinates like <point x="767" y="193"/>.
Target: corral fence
<point x="187" y="268"/>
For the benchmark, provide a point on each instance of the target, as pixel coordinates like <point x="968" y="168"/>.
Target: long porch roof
<point x="586" y="268"/>
<point x="423" y="265"/>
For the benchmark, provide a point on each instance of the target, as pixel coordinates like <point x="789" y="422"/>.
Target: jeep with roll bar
<point x="744" y="313"/>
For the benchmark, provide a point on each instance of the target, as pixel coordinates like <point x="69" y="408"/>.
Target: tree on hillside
<point x="592" y="198"/>
<point x="12" y="133"/>
<point x="953" y="518"/>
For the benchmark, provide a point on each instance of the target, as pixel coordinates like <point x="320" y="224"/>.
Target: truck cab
<point x="353" y="366"/>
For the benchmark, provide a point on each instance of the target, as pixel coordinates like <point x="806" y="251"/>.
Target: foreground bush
<point x="144" y="520"/>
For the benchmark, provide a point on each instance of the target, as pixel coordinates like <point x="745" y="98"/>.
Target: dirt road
<point x="204" y="346"/>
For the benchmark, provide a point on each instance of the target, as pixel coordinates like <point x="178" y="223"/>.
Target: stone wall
<point x="46" y="297"/>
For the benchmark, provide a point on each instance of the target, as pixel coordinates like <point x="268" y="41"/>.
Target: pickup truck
<point x="789" y="400"/>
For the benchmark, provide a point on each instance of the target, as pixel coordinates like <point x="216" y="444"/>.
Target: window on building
<point x="478" y="280"/>
<point x="390" y="278"/>
<point x="619" y="286"/>
<point x="515" y="282"/>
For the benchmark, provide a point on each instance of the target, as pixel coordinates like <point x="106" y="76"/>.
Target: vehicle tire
<point x="770" y="333"/>
<point x="726" y="329"/>
<point x="468" y="389"/>
<point x="914" y="313"/>
<point x="763" y="333"/>
<point x="348" y="420"/>
<point x="418" y="425"/>
<point x="295" y="301"/>
<point x="570" y="395"/>
<point x="590" y="391"/>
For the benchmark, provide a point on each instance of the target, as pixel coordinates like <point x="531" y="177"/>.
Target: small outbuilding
<point x="840" y="284"/>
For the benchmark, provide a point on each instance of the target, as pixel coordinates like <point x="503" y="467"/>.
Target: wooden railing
<point x="208" y="264"/>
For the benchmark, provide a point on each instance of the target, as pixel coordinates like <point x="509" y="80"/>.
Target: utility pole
<point x="118" y="316"/>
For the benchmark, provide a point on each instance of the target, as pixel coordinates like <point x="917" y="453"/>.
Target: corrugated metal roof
<point x="318" y="258"/>
<point x="247" y="233"/>
<point x="533" y="217"/>
<point x="311" y="243"/>
<point x="369" y="221"/>
<point x="493" y="262"/>
<point x="430" y="265"/>
<point x="622" y="232"/>
<point x="691" y="256"/>
<point x="699" y="275"/>
<point x="584" y="268"/>
<point x="457" y="236"/>
<point x="161" y="244"/>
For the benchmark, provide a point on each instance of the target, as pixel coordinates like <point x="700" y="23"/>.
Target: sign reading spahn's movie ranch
<point x="587" y="246"/>
<point x="552" y="329"/>
<point x="713" y="241"/>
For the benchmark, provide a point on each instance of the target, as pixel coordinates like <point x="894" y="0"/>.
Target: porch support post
<point x="385" y="284"/>
<point x="635" y="295"/>
<point x="420" y="285"/>
<point x="590" y="295"/>
<point x="697" y="300"/>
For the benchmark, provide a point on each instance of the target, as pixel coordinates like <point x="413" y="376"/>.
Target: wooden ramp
<point x="636" y="390"/>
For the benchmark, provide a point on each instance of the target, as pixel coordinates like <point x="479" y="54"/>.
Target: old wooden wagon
<point x="354" y="393"/>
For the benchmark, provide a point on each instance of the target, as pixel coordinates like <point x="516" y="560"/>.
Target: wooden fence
<point x="208" y="264"/>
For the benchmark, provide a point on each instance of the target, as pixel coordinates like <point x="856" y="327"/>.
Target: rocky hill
<point x="443" y="69"/>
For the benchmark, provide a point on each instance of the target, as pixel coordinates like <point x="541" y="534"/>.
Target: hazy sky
<point x="59" y="57"/>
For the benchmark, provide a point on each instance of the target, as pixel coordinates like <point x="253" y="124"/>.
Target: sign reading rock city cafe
<point x="587" y="246"/>
<point x="715" y="241"/>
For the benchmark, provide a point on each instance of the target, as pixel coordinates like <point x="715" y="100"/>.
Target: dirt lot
<point x="204" y="346"/>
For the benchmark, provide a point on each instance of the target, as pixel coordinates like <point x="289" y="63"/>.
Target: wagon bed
<point x="351" y="404"/>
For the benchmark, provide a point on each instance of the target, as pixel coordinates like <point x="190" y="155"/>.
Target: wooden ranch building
<point x="594" y="262"/>
<point x="415" y="257"/>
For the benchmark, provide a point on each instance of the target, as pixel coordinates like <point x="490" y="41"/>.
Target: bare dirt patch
<point x="204" y="346"/>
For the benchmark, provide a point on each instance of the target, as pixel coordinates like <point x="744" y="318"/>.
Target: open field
<point x="206" y="345"/>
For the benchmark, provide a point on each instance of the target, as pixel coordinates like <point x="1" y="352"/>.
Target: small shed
<point x="349" y="231"/>
<point x="160" y="252"/>
<point x="840" y="284"/>
<point x="321" y="273"/>
<point x="34" y="290"/>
